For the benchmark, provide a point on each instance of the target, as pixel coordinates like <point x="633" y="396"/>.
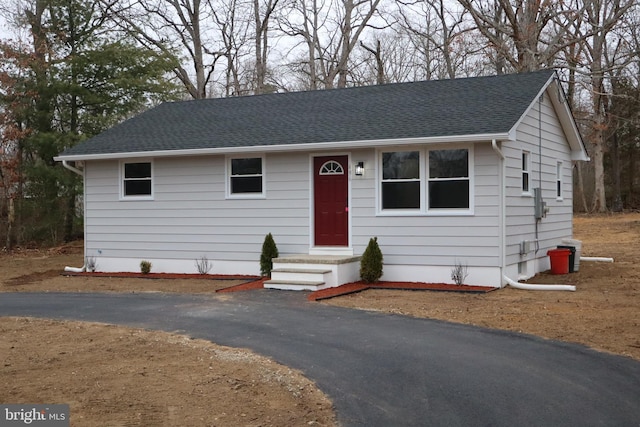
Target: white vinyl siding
<point x="190" y="216"/>
<point x="427" y="239"/>
<point x="547" y="146"/>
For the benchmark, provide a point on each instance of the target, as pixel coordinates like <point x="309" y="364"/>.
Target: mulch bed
<point x="254" y="284"/>
<point x="350" y="288"/>
<point x="162" y="275"/>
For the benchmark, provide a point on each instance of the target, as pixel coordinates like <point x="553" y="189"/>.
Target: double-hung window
<point x="401" y="180"/>
<point x="137" y="180"/>
<point x="427" y="181"/>
<point x="246" y="177"/>
<point x="449" y="182"/>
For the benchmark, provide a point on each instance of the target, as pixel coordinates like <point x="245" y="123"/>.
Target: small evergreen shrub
<point x="371" y="262"/>
<point x="269" y="252"/>
<point x="145" y="267"/>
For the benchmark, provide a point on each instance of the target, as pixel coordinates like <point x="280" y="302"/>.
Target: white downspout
<point x="503" y="212"/>
<point x="596" y="258"/>
<point x="72" y="168"/>
<point x="532" y="287"/>
<point x="81" y="173"/>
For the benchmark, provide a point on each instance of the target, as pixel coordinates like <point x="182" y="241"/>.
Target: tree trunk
<point x="258" y="46"/>
<point x="616" y="205"/>
<point x="583" y="198"/>
<point x="599" y="203"/>
<point x="11" y="215"/>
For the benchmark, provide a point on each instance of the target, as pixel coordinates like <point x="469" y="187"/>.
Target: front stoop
<point x="313" y="272"/>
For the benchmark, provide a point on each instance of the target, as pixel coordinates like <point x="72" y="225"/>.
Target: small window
<point x="449" y="179"/>
<point x="401" y="180"/>
<point x="246" y="177"/>
<point x="559" y="180"/>
<point x="525" y="171"/>
<point x="331" y="168"/>
<point x="137" y="179"/>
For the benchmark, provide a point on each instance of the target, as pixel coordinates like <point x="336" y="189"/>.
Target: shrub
<point x="145" y="267"/>
<point x="269" y="252"/>
<point x="371" y="262"/>
<point x="459" y="273"/>
<point x="91" y="263"/>
<point x="203" y="265"/>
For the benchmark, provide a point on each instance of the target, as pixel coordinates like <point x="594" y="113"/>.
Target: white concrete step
<point x="300" y="274"/>
<point x="294" y="285"/>
<point x="312" y="272"/>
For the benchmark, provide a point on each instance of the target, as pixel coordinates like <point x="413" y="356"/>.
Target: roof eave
<point x="289" y="147"/>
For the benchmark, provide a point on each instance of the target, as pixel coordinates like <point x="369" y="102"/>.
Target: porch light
<point x="359" y="168"/>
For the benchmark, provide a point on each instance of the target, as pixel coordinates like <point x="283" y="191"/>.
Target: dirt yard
<point x="118" y="376"/>
<point x="603" y="313"/>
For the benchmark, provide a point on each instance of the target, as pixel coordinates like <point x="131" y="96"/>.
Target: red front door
<point x="331" y="201"/>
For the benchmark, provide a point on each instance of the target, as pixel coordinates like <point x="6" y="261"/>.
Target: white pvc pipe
<point x="532" y="287"/>
<point x="75" y="269"/>
<point x="595" y="258"/>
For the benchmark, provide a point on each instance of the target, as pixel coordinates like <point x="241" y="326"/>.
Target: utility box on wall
<point x="539" y="205"/>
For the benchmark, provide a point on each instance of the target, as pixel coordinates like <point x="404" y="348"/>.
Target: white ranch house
<point x="474" y="171"/>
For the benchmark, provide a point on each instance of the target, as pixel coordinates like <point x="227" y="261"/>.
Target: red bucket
<point x="559" y="260"/>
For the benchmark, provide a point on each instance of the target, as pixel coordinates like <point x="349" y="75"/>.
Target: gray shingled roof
<point x="437" y="108"/>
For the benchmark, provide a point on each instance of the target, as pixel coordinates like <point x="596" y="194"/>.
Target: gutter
<point x="310" y="146"/>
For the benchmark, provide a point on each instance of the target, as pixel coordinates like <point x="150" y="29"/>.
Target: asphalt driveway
<point x="380" y="369"/>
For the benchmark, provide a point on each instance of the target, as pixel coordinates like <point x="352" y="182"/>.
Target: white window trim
<point x="227" y="173"/>
<point x="424" y="184"/>
<point x="559" y="181"/>
<point x="124" y="197"/>
<point x="528" y="192"/>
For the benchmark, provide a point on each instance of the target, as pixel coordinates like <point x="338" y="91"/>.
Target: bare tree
<point x="175" y="28"/>
<point x="377" y="54"/>
<point x="386" y="59"/>
<point x="520" y="30"/>
<point x="231" y="18"/>
<point x="601" y="18"/>
<point x="437" y="33"/>
<point x="330" y="31"/>
<point x="262" y="13"/>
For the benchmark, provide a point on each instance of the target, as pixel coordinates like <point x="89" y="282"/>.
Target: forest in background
<point x="69" y="69"/>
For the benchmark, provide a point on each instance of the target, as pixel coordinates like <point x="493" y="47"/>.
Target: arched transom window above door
<point x="331" y="168"/>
